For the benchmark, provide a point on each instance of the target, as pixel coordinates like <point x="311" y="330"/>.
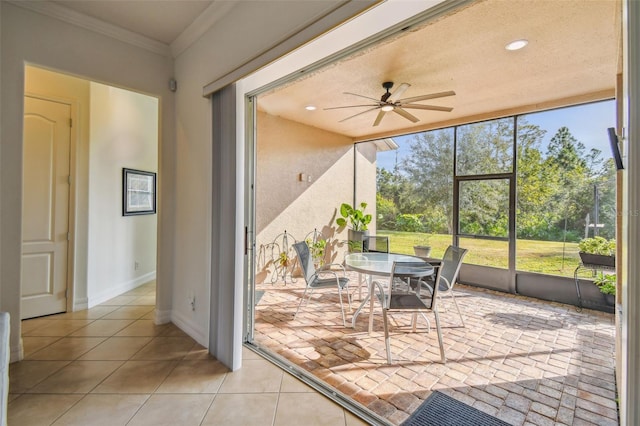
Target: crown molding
<point x="87" y="22"/>
<point x="212" y="14"/>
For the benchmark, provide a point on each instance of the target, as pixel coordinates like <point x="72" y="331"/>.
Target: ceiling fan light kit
<point x="390" y="102"/>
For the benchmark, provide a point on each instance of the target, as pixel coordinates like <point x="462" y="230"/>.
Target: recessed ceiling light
<point x="387" y="108"/>
<point x="310" y="108"/>
<point x="517" y="44"/>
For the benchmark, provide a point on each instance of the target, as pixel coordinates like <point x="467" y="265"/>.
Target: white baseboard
<point x="16" y="353"/>
<point x="162" y="317"/>
<point x="119" y="289"/>
<point x="189" y="327"/>
<point x="80" y="304"/>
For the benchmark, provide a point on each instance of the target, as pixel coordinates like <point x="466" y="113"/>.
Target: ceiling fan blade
<point x="398" y="92"/>
<point x="362" y="96"/>
<point x="379" y="117"/>
<point x="353" y="106"/>
<point x="405" y="114"/>
<point x="355" y="115"/>
<point x="429" y="107"/>
<point x="430" y="96"/>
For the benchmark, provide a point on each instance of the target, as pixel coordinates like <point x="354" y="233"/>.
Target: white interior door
<point x="45" y="208"/>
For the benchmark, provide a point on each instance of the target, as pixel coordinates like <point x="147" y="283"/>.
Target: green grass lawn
<point x="548" y="257"/>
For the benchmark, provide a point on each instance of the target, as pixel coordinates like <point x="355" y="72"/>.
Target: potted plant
<point x="607" y="285"/>
<point x="316" y="248"/>
<point x="597" y="251"/>
<point x="423" y="249"/>
<point x="357" y="220"/>
<point x="283" y="259"/>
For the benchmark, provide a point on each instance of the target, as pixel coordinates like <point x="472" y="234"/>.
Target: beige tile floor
<point x="526" y="361"/>
<point x="111" y="365"/>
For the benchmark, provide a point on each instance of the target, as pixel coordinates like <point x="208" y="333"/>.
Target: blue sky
<point x="587" y="123"/>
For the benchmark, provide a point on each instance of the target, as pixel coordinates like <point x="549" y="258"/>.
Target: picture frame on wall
<point x="138" y="192"/>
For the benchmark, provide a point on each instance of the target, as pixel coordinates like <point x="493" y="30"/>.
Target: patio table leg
<point x="370" y="304"/>
<point x="368" y="298"/>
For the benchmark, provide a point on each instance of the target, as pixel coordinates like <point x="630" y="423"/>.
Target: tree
<point x="535" y="185"/>
<point x="569" y="167"/>
<point x="555" y="184"/>
<point x="429" y="172"/>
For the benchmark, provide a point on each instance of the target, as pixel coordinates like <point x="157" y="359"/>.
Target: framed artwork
<point x="138" y="192"/>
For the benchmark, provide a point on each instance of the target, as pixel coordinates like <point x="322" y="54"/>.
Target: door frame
<point x="72" y="217"/>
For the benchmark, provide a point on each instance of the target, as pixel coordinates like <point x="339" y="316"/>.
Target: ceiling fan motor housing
<point x="386" y="85"/>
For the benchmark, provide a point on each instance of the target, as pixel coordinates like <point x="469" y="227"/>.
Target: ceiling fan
<point x="390" y="102"/>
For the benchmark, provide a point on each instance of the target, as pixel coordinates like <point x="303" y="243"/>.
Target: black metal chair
<point x="408" y="298"/>
<point x="376" y="244"/>
<point x="412" y="298"/>
<point x="448" y="275"/>
<point x="314" y="280"/>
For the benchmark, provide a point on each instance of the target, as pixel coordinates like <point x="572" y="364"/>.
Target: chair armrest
<point x="426" y="286"/>
<point x="446" y="281"/>
<point x="334" y="273"/>
<point x="383" y="299"/>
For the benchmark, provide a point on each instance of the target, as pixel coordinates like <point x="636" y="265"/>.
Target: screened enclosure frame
<point x="511" y="178"/>
<point x="503" y="278"/>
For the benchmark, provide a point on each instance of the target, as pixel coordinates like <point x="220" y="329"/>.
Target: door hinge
<point x="71" y="122"/>
<point x="66" y="293"/>
<point x="68" y="236"/>
<point x="69" y="179"/>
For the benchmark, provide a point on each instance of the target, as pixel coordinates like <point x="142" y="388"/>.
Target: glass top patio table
<point x="376" y="264"/>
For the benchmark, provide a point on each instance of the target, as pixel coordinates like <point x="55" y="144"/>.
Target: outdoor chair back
<point x="448" y="275"/>
<point x="378" y="244"/>
<point x="408" y="292"/>
<point x="324" y="278"/>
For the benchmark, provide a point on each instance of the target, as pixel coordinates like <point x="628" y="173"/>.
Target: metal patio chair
<point x="314" y="278"/>
<point x="408" y="298"/>
<point x="448" y="274"/>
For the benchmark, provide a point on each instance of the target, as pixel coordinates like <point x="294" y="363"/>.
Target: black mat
<point x="442" y="410"/>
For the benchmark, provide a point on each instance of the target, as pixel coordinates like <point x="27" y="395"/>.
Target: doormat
<point x="259" y="294"/>
<point x="442" y="410"/>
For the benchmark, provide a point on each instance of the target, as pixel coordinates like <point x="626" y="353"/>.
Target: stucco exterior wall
<point x="366" y="153"/>
<point x="303" y="174"/>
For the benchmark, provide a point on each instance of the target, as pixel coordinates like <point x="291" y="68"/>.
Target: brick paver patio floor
<point x="526" y="361"/>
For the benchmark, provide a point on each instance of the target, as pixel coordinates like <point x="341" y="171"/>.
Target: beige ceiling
<point x="572" y="57"/>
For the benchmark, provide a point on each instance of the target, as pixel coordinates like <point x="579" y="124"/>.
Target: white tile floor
<point x="110" y="365"/>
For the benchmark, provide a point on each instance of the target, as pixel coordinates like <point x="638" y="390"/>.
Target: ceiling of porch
<point x="572" y="57"/>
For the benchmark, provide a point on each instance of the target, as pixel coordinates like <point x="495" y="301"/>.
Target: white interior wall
<point x="249" y="29"/>
<point x="29" y="37"/>
<point x="123" y="133"/>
